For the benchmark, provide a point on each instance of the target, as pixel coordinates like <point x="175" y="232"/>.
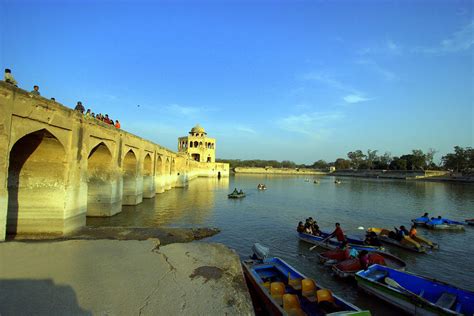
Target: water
<point x="270" y="217"/>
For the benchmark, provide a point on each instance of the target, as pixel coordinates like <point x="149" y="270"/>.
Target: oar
<point x="395" y="284"/>
<point x="319" y="244"/>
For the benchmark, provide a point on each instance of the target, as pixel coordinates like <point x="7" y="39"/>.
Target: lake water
<point x="270" y="217"/>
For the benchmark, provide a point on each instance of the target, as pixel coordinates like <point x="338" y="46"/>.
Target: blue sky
<point x="284" y="80"/>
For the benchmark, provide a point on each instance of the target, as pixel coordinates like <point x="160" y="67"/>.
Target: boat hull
<point x="414" y="293"/>
<point x="333" y="244"/>
<point x="383" y="237"/>
<point x="350" y="267"/>
<point x="254" y="270"/>
<point x="470" y="221"/>
<point x="446" y="226"/>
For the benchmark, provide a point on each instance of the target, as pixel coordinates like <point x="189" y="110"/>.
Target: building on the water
<point x="197" y="145"/>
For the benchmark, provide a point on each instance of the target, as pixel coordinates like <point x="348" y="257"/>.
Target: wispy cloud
<point x="182" y="110"/>
<point x="374" y="66"/>
<point x="460" y="40"/>
<point x="389" y="47"/>
<point x="355" y="98"/>
<point x="311" y="124"/>
<point x="246" y="129"/>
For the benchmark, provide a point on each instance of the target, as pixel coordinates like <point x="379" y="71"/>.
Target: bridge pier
<point x="132" y="180"/>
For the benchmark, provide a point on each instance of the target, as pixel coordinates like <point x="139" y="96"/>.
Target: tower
<point x="197" y="145"/>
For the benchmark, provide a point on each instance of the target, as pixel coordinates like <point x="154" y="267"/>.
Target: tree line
<point x="461" y="160"/>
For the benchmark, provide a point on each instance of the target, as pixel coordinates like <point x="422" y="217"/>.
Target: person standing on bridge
<point x="79" y="107"/>
<point x="35" y="90"/>
<point x="9" y="77"/>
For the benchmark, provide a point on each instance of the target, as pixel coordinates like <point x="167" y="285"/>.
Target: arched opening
<point x="209" y="159"/>
<point x="196" y="143"/>
<point x="132" y="194"/>
<point x="196" y="157"/>
<point x="147" y="166"/>
<point x="36" y="185"/>
<point x="148" y="183"/>
<point x="159" y="166"/>
<point x="173" y="167"/>
<point x="102" y="196"/>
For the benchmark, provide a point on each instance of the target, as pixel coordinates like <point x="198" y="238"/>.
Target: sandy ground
<point x="117" y="277"/>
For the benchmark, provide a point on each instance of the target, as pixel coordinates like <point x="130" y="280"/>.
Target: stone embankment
<point x="117" y="277"/>
<point x="391" y="174"/>
<point x="279" y="171"/>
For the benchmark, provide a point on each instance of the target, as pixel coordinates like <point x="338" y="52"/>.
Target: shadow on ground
<point x="38" y="297"/>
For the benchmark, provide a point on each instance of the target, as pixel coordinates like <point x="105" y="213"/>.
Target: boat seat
<point x="291" y="305"/>
<point x="446" y="300"/>
<point x="324" y="295"/>
<point x="308" y="289"/>
<point x="377" y="275"/>
<point x="266" y="285"/>
<point x="277" y="289"/>
<point x="295" y="284"/>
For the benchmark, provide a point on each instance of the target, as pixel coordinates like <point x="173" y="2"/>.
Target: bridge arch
<point x="132" y="192"/>
<point x="102" y="184"/>
<point x="36" y="184"/>
<point x="148" y="179"/>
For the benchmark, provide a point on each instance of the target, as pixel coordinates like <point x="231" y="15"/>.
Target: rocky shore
<point x="93" y="273"/>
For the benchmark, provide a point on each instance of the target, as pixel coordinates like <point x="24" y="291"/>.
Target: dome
<point x="198" y="129"/>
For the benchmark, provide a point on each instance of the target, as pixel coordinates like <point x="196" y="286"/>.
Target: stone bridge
<point x="57" y="167"/>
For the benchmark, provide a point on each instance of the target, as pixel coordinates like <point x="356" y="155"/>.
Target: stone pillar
<point x="148" y="178"/>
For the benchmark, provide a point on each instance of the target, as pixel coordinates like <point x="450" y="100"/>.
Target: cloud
<point x="460" y="40"/>
<point x="183" y="110"/>
<point x="393" y="48"/>
<point x="355" y="98"/>
<point x="311" y="124"/>
<point x="385" y="73"/>
<point x="246" y="129"/>
<point x="389" y="47"/>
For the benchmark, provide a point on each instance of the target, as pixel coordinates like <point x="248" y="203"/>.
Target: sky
<point x="284" y="80"/>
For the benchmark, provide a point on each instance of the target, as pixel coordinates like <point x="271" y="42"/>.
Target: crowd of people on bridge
<point x="8" y="78"/>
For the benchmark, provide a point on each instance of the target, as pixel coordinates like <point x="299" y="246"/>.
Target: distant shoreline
<point x="428" y="175"/>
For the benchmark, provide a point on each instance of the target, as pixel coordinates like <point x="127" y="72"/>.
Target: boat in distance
<point x="438" y="223"/>
<point x="355" y="243"/>
<point x="470" y="221"/>
<point x="234" y="195"/>
<point x="282" y="290"/>
<point x="415" y="294"/>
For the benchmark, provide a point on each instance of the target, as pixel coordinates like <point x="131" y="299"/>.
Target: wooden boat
<point x="407" y="243"/>
<point x="445" y="224"/>
<point x="470" y="221"/>
<point x="282" y="290"/>
<point x="415" y="294"/>
<point x="355" y="243"/>
<point x="349" y="267"/>
<point x="234" y="195"/>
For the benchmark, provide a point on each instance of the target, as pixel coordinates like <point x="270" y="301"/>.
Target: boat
<point x="444" y="224"/>
<point x="316" y="181"/>
<point x="355" y="243"/>
<point x="470" y="221"/>
<point x="420" y="221"/>
<point x="236" y="195"/>
<point x="349" y="267"/>
<point x="282" y="290"/>
<point x="415" y="294"/>
<point x="337" y="181"/>
<point x="407" y="243"/>
<point x="261" y="187"/>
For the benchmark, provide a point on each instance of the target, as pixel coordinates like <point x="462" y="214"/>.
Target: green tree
<point x="461" y="160"/>
<point x="356" y="158"/>
<point x="342" y="164"/>
<point x="371" y="158"/>
<point x="398" y="164"/>
<point x="320" y="164"/>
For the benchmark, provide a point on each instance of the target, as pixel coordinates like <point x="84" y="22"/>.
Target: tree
<point x="320" y="164"/>
<point x="461" y="160"/>
<point x="371" y="158"/>
<point x="398" y="164"/>
<point x="356" y="158"/>
<point x="383" y="162"/>
<point x="342" y="164"/>
<point x="429" y="158"/>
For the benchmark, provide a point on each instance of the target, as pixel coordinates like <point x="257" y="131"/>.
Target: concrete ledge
<point x="110" y="277"/>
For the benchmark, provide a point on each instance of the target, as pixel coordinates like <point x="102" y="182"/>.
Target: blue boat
<point x="415" y="294"/>
<point x="330" y="244"/>
<point x="282" y="290"/>
<point x="438" y="223"/>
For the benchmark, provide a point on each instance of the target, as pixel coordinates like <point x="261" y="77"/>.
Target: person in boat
<point x="412" y="233"/>
<point x="338" y="233"/>
<point x="315" y="228"/>
<point x="235" y="191"/>
<point x="402" y="232"/>
<point x="300" y="228"/>
<point x="426" y="216"/>
<point x="371" y="239"/>
<point x="241" y="192"/>
<point x="364" y="259"/>
<point x="307" y="228"/>
<point x="436" y="221"/>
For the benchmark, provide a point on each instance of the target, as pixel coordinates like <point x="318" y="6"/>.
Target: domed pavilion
<point x="197" y="145"/>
